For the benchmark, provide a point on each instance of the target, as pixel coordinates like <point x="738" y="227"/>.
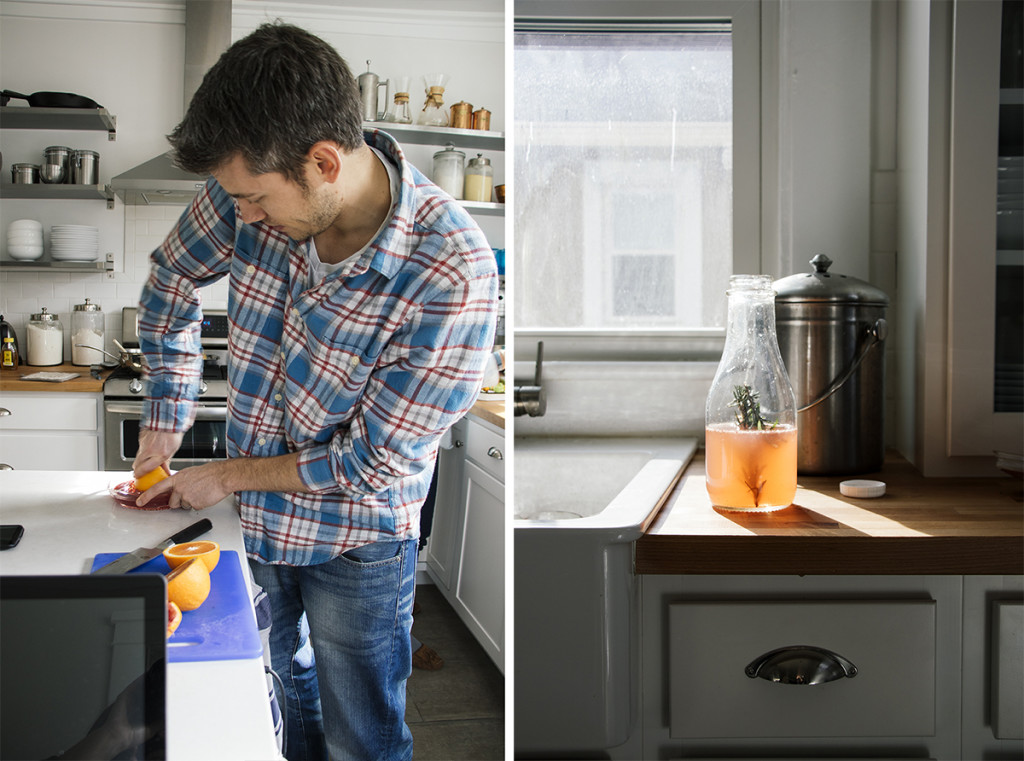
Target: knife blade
<point x="137" y="557"/>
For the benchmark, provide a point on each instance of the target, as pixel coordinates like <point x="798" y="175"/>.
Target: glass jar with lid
<point x="87" y="334"/>
<point x="479" y="179"/>
<point x="448" y="170"/>
<point x="45" y="339"/>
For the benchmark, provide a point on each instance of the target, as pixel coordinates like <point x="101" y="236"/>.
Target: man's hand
<point x="202" y="486"/>
<point x="196" y="488"/>
<point x="156" y="448"/>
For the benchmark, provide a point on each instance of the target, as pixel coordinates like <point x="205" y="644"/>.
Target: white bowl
<point x="25" y="224"/>
<point x="28" y="239"/>
<point x="25" y="253"/>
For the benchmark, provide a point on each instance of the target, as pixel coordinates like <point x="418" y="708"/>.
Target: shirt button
<point x="262" y="442"/>
<point x="295" y="312"/>
<point x="353" y="361"/>
<point x="250" y="269"/>
<point x="277" y="397"/>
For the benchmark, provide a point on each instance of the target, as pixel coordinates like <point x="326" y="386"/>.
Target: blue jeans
<point x="347" y="702"/>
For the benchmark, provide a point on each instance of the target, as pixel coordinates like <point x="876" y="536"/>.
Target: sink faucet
<point x="531" y="400"/>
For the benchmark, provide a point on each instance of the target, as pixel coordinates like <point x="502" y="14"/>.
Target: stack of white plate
<point x="74" y="243"/>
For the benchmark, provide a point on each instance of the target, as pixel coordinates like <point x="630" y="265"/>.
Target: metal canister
<point x="60" y="155"/>
<point x="831" y="332"/>
<point x="24" y="174"/>
<point x="461" y="115"/>
<point x="481" y="119"/>
<point x="85" y="167"/>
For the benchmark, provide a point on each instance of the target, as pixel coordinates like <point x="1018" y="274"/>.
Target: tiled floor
<point x="458" y="712"/>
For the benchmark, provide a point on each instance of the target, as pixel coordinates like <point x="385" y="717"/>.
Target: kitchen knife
<point x="135" y="558"/>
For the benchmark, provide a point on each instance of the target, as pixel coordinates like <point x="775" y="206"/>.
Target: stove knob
<point x="135" y="386"/>
<point x="203" y="388"/>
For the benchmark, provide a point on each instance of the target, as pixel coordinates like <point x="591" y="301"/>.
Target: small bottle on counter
<point x="479" y="179"/>
<point x="45" y="338"/>
<point x="8" y="345"/>
<point x="87" y="334"/>
<point x="448" y="170"/>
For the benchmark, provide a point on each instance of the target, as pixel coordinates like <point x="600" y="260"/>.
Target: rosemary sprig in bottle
<point x="748" y="409"/>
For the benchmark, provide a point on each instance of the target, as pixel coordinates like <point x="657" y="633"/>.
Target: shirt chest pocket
<point x="325" y="385"/>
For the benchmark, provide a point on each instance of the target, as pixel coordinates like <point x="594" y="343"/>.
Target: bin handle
<point x="801" y="664"/>
<point x="876" y="335"/>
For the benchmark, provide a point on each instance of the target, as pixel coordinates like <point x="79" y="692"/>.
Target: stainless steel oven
<point x="204" y="442"/>
<point x="124" y="392"/>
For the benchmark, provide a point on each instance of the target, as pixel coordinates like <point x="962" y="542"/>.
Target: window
<point x="625" y="191"/>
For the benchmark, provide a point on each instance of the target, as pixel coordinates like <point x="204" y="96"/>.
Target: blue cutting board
<point x="223" y="627"/>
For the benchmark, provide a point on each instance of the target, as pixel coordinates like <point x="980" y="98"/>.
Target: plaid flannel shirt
<point x="362" y="374"/>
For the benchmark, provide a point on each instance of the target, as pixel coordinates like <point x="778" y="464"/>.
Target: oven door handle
<point x="203" y="412"/>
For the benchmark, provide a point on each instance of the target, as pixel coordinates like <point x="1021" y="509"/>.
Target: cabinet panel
<point x="50" y="412"/>
<point x="481" y="577"/>
<point x="1008" y="670"/>
<point x="25" y="451"/>
<point x="891" y="643"/>
<point x="444" y="531"/>
<point x="486" y="447"/>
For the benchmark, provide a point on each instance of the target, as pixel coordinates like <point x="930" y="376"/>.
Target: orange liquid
<point x="751" y="470"/>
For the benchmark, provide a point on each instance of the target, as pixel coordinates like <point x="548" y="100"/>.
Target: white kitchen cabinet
<point x="440" y="550"/>
<point x="51" y="431"/>
<point x="699" y="633"/>
<point x="466" y="548"/>
<point x="958" y="312"/>
<point x="993" y="672"/>
<point x="875" y="660"/>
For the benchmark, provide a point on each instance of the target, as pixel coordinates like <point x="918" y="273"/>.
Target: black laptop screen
<point x="82" y="667"/>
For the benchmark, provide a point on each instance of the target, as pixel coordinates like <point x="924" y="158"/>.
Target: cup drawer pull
<point x="801" y="664"/>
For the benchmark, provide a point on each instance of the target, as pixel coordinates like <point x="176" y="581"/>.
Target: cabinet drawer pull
<point x="5" y="466"/>
<point x="495" y="453"/>
<point x="801" y="664"/>
<point x="4" y="412"/>
<point x="459" y="443"/>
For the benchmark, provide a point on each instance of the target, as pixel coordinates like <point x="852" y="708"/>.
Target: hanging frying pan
<point x="50" y="99"/>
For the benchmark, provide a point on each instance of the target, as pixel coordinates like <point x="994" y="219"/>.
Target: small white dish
<point x="25" y="224"/>
<point x="24" y="239"/>
<point x="25" y="253"/>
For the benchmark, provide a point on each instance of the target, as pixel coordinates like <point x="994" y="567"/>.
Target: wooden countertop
<point x="10" y="379"/>
<point x="492" y="412"/>
<point x="921" y="526"/>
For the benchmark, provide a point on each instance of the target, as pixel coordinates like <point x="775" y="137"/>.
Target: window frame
<point x="748" y="19"/>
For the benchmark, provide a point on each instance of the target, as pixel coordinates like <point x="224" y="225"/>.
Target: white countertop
<point x="216" y="710"/>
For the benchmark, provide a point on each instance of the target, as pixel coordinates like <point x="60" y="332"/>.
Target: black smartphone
<point x="10" y="536"/>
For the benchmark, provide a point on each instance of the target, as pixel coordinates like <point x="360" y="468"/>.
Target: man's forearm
<point x="280" y="473"/>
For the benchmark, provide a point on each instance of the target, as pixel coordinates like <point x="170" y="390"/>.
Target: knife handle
<point x="189" y="533"/>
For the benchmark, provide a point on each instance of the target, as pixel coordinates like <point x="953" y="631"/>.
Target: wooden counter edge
<point x="10" y="380"/>
<point x="818" y="555"/>
<point x="492" y="412"/>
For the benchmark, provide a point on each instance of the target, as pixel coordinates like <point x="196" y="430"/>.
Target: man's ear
<point x="325" y="160"/>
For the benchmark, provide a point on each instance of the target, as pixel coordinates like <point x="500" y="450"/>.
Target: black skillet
<point x="50" y="99"/>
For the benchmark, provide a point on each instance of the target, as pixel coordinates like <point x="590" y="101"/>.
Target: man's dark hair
<point x="269" y="98"/>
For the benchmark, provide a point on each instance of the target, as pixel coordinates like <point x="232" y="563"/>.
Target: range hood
<point x="159" y="181"/>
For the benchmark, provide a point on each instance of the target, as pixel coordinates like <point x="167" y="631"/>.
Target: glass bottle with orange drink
<point x="750" y="418"/>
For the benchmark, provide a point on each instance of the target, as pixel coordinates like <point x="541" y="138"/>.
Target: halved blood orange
<point x="207" y="551"/>
<point x="173" y="618"/>
<point x="188" y="585"/>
